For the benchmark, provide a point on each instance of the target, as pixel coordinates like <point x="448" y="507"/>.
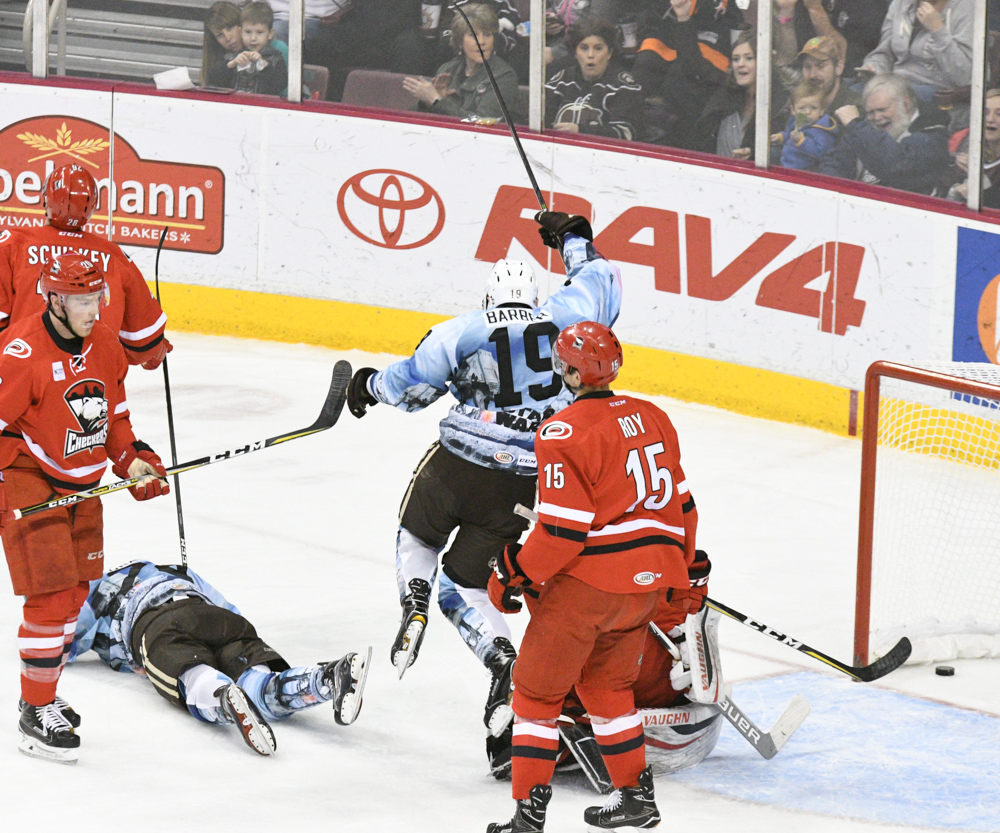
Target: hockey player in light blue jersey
<point x="199" y="653"/>
<point x="497" y="364"/>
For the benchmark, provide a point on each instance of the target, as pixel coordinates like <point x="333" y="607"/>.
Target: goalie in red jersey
<point x="615" y="540"/>
<point x="130" y="311"/>
<point x="63" y="415"/>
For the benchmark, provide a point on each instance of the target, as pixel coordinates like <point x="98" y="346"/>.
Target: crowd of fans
<point x="871" y="90"/>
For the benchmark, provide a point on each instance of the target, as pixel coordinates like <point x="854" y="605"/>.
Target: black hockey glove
<point x="509" y="581"/>
<point x="555" y="225"/>
<point x="358" y="397"/>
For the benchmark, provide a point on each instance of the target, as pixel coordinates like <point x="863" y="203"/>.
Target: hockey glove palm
<point x="508" y="581"/>
<point x="138" y="460"/>
<point x="555" y="225"/>
<point x="358" y="397"/>
<point x="152" y="358"/>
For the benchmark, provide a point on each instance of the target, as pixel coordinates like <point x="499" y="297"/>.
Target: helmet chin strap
<point x="64" y="319"/>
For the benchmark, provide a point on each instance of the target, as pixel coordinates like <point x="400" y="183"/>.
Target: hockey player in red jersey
<point x="615" y="536"/>
<point x="130" y="312"/>
<point x="63" y="415"/>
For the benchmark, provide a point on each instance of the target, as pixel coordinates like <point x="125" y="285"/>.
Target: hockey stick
<point x="768" y="744"/>
<point x="328" y="416"/>
<point x="170" y="416"/>
<point x="865" y="673"/>
<point x="506" y="112"/>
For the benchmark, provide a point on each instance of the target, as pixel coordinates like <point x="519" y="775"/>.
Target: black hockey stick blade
<point x="584" y="747"/>
<point x="865" y="673"/>
<point x="328" y="416"/>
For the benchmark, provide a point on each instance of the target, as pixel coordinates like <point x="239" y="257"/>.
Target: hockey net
<point x="929" y="531"/>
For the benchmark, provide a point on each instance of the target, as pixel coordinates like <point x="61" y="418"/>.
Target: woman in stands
<point x="461" y="87"/>
<point x="727" y="126"/>
<point x="991" y="155"/>
<point x="595" y="95"/>
<point x="222" y="35"/>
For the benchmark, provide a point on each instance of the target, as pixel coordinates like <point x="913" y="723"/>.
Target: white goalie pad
<point x="701" y="631"/>
<point x="680" y="737"/>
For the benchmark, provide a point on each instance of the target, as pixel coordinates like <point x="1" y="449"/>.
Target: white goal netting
<point x="935" y="573"/>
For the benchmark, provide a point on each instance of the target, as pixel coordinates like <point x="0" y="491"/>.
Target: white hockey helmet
<point x="511" y="282"/>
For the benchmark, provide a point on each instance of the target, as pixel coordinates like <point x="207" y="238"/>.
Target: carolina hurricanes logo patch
<point x="4" y="235"/>
<point x="18" y="348"/>
<point x="555" y="431"/>
<point x="86" y="400"/>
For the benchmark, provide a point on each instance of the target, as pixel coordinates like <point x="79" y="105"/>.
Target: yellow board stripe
<point x="343" y="326"/>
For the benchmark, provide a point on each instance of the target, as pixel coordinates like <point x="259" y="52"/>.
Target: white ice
<point x="301" y="537"/>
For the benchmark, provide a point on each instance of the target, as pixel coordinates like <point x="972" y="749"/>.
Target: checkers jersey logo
<point x="90" y="407"/>
<point x="391" y="209"/>
<point x="146" y="195"/>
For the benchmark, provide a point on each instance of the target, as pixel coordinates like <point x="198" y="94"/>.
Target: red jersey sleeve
<point x="17" y="385"/>
<point x="9" y="249"/>
<point x="144" y="320"/>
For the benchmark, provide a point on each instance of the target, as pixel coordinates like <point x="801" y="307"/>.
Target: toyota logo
<point x="391" y="209"/>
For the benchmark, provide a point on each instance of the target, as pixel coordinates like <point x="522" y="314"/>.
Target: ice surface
<point x="301" y="537"/>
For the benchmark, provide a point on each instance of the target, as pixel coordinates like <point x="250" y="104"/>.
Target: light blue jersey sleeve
<point x="593" y="288"/>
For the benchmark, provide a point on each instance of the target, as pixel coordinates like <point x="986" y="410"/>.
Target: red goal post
<point x="929" y="519"/>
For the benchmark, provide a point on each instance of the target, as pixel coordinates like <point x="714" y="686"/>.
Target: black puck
<point x="944" y="671"/>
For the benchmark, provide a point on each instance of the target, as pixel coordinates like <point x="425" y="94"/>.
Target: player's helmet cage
<point x="72" y="273"/>
<point x="591" y="349"/>
<point x="70" y="197"/>
<point x="511" y="282"/>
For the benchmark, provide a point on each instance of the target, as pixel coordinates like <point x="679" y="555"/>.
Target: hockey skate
<point x="63" y="706"/>
<point x="630" y="808"/>
<point x="47" y="734"/>
<point x="498" y="751"/>
<point x="499" y="714"/>
<point x="411" y="627"/>
<point x="238" y="707"/>
<point x="529" y="817"/>
<point x="346" y="678"/>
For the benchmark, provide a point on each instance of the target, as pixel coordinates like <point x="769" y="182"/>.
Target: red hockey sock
<point x="533" y="755"/>
<point x="623" y="748"/>
<point x="44" y="639"/>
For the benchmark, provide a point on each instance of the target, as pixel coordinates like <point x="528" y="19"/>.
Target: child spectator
<point x="259" y="68"/>
<point x="810" y="133"/>
<point x="991" y="156"/>
<point x="222" y="35"/>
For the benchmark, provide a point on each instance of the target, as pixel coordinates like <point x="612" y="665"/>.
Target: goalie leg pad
<point x="702" y="640"/>
<point x="681" y="737"/>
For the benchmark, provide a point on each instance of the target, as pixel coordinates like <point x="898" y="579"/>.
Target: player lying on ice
<point x="200" y="654"/>
<point x="614" y="543"/>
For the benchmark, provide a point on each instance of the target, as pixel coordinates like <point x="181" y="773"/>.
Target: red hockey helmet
<point x="70" y="197"/>
<point x="71" y="273"/>
<point x="591" y="349"/>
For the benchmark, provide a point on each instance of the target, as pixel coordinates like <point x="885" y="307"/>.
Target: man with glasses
<point x="64" y="416"/>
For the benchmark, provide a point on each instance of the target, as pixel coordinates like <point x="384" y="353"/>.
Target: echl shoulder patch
<point x="555" y="430"/>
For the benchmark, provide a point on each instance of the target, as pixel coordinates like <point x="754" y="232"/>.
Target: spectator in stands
<point x="508" y="43"/>
<point x="258" y="67"/>
<point x="991" y="155"/>
<point x="222" y="35"/>
<point x="854" y="24"/>
<point x="821" y="61"/>
<point x="810" y="133"/>
<point x="461" y="87"/>
<point x="927" y="42"/>
<point x="683" y="59"/>
<point x="726" y="127"/>
<point x="560" y="15"/>
<point x="595" y="95"/>
<point x="902" y="144"/>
